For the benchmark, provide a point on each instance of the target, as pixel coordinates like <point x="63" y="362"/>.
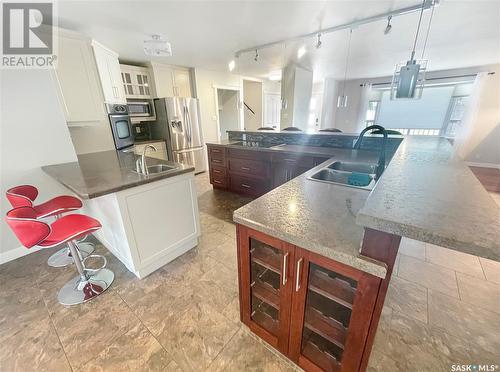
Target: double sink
<point x="351" y="174"/>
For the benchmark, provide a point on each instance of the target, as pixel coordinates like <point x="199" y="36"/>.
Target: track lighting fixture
<point x="256" y="58"/>
<point x="318" y="44"/>
<point x="389" y="26"/>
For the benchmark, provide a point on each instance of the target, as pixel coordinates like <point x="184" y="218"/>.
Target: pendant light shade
<point x="409" y="77"/>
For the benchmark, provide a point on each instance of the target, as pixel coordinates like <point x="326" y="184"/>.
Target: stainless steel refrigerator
<point x="178" y="123"/>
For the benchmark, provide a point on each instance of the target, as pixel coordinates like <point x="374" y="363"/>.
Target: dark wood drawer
<point x="217" y="155"/>
<point x="217" y="171"/>
<point x="254" y="168"/>
<point x="294" y="159"/>
<point x="248" y="154"/>
<point x="248" y="185"/>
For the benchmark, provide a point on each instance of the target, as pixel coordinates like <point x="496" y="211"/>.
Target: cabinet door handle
<point x="246" y="186"/>
<point x="216" y="171"/>
<point x="290" y="160"/>
<point x="299" y="279"/>
<point x="284" y="273"/>
<point x="217" y="181"/>
<point x="215" y="150"/>
<point x="245" y="168"/>
<point x="216" y="161"/>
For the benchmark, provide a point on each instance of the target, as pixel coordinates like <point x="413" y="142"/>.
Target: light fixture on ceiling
<point x="318" y="43"/>
<point x="256" y="58"/>
<point x="389" y="26"/>
<point x="342" y="99"/>
<point x="409" y="77"/>
<point x="231" y="65"/>
<point x="157" y="47"/>
<point x="301" y="51"/>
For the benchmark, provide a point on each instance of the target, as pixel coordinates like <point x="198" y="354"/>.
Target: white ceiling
<point x="206" y="34"/>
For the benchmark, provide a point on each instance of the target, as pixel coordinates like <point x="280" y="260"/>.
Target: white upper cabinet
<point x="78" y="81"/>
<point x="171" y="81"/>
<point x="136" y="82"/>
<point x="109" y="73"/>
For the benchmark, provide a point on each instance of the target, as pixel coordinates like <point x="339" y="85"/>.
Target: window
<point x="455" y="115"/>
<point x="439" y="112"/>
<point x="372" y="112"/>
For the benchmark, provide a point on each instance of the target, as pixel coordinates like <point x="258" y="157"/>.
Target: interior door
<point x="329" y="322"/>
<point x="265" y="286"/>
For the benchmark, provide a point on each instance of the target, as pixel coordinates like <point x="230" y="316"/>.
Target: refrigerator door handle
<point x="187" y="121"/>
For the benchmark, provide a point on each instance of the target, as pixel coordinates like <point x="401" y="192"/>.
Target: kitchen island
<point x="147" y="220"/>
<point x="315" y="259"/>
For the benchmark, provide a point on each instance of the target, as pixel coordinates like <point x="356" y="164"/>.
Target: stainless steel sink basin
<point x="354" y="167"/>
<point x="338" y="173"/>
<point x="160" y="168"/>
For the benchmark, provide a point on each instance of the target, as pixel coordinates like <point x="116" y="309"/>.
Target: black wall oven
<point x="121" y="127"/>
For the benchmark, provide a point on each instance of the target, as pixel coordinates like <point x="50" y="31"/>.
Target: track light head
<point x="318" y="44"/>
<point x="256" y="58"/>
<point x="389" y="26"/>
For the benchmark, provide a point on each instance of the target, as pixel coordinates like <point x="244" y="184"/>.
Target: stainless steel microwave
<point x="140" y="109"/>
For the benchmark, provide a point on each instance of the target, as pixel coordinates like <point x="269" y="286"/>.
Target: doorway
<point x="252" y="104"/>
<point x="228" y="113"/>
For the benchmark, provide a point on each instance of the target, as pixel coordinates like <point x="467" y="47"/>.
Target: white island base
<point x="147" y="226"/>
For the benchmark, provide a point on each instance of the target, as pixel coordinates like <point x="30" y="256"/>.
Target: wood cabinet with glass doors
<point x="320" y="313"/>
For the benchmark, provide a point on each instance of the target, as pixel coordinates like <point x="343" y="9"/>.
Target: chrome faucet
<point x="381" y="158"/>
<point x="140" y="164"/>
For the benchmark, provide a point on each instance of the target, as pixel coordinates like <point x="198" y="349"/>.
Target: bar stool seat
<point x="91" y="282"/>
<point x="25" y="195"/>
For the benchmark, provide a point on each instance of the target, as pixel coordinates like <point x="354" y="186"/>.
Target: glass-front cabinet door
<point x="329" y="302"/>
<point x="266" y="281"/>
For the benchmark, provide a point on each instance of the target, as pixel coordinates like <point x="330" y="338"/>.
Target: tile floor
<point x="442" y="308"/>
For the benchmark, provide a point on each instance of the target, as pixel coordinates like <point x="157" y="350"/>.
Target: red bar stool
<point x="25" y="195"/>
<point x="90" y="283"/>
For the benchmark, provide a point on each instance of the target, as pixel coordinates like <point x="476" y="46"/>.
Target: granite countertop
<point x="428" y="194"/>
<point x="327" y="152"/>
<point x="315" y="216"/>
<point x="102" y="173"/>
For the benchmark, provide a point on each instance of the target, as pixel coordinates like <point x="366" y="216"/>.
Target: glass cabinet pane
<point x="265" y="282"/>
<point x="329" y="301"/>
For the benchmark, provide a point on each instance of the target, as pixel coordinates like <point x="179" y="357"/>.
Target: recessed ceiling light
<point x="301" y="52"/>
<point x="231" y="65"/>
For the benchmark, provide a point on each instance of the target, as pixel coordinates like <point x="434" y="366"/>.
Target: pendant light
<point x="409" y="77"/>
<point x="342" y="99"/>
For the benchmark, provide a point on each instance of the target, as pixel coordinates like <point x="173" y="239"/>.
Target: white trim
<point x="18" y="252"/>
<point x="483" y="165"/>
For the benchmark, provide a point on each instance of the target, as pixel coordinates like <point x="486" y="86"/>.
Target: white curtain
<point x="363" y="106"/>
<point x="469" y="125"/>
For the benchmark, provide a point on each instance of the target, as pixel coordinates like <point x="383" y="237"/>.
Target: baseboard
<point x="12" y="254"/>
<point x="482" y="165"/>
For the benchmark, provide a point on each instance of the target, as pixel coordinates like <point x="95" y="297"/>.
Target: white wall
<point x="229" y="113"/>
<point x="252" y="93"/>
<point x="33" y="133"/>
<point x="205" y="82"/>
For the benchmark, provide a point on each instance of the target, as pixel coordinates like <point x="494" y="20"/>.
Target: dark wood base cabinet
<point x="253" y="173"/>
<point x="318" y="312"/>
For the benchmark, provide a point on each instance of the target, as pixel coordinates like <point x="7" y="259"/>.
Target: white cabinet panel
<point x="109" y="73"/>
<point x="171" y="81"/>
<point x="78" y="81"/>
<point x="182" y="83"/>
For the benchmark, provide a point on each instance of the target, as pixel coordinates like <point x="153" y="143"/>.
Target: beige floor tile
<point x="383" y="329"/>
<point x="244" y="353"/>
<point x="412" y="248"/>
<point x="491" y="270"/>
<point x="417" y="346"/>
<point x="136" y="350"/>
<point x="466" y="321"/>
<point x="461" y="262"/>
<point x="407" y="298"/>
<point x="479" y="292"/>
<point x="196" y="336"/>
<point x="379" y="362"/>
<point x="34" y="348"/>
<point x="428" y="275"/>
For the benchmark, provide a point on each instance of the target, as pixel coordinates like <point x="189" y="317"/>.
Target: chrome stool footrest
<point x="63" y="257"/>
<point x="78" y="291"/>
<point x="92" y="271"/>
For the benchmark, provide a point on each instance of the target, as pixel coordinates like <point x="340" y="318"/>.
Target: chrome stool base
<point x="77" y="290"/>
<point x="62" y="257"/>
